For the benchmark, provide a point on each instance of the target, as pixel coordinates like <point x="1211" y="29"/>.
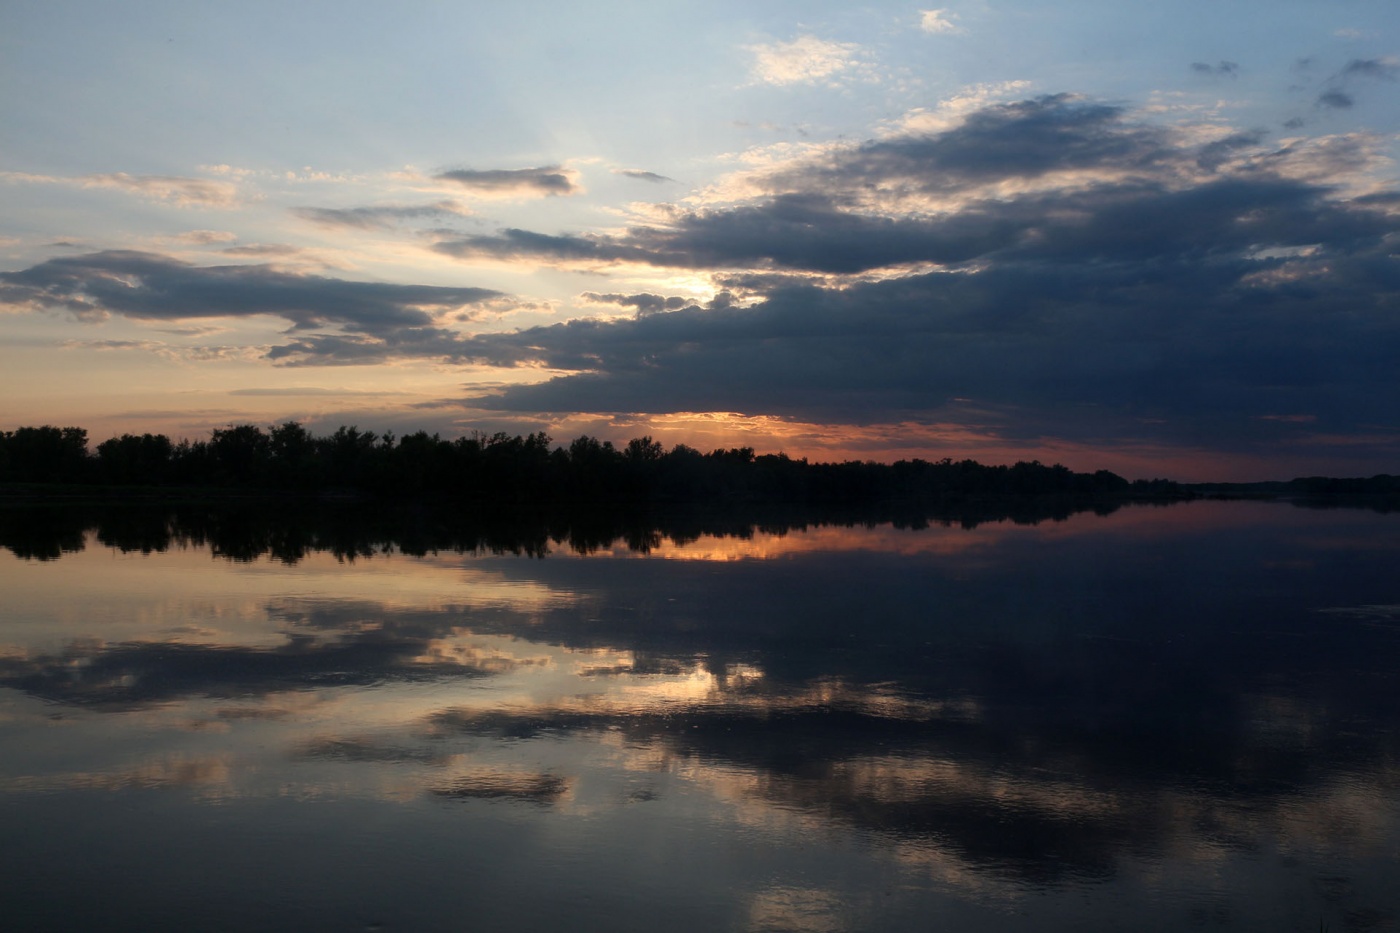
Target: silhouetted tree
<point x="592" y="469"/>
<point x="292" y="452"/>
<point x="421" y="462"/>
<point x="643" y="450"/>
<point x="348" y="454"/>
<point x="241" y="453"/>
<point x="528" y="471"/>
<point x="45" y="455"/>
<point x="132" y="459"/>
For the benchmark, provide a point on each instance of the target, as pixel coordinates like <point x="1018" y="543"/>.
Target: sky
<point x="1161" y="239"/>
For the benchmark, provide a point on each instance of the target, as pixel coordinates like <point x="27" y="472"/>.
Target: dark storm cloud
<point x="1098" y="275"/>
<point x="376" y="218"/>
<point x="813" y="220"/>
<point x="810" y="233"/>
<point x="549" y="180"/>
<point x="787" y="232"/>
<point x="1085" y="351"/>
<point x="1024" y="140"/>
<point x="1207" y="288"/>
<point x="149" y="286"/>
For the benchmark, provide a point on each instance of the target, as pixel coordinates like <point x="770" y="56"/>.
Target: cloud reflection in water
<point x="1099" y="702"/>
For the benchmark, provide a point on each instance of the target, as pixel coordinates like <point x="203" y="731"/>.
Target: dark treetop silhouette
<point x="505" y="467"/>
<point x="517" y="471"/>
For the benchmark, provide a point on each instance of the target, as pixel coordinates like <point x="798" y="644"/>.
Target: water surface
<point x="1153" y="719"/>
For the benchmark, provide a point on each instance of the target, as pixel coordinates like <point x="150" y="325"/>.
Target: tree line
<point x="511" y="469"/>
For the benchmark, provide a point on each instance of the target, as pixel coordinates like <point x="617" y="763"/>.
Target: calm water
<point x="1157" y="719"/>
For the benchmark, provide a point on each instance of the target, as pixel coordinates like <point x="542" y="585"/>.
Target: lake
<point x="1147" y="718"/>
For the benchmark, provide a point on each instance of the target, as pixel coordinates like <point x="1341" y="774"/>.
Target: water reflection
<point x="291" y="531"/>
<point x="1148" y="718"/>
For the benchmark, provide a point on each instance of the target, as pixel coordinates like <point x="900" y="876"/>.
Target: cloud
<point x="359" y="349"/>
<point x="1080" y="353"/>
<point x="1050" y="174"/>
<point x="206" y="237"/>
<point x="937" y="21"/>
<point x="813" y="218"/>
<point x="263" y="249"/>
<point x="1223" y="69"/>
<point x="184" y="192"/>
<point x="643" y="303"/>
<point x="1335" y="100"/>
<point x="310" y="391"/>
<point x="1071" y="268"/>
<point x="513" y="244"/>
<point x="153" y="287"/>
<point x="175" y="353"/>
<point x="1017" y="140"/>
<point x="1217" y="153"/>
<point x="787" y="232"/>
<point x="327" y="644"/>
<point x="1375" y="68"/>
<point x="642" y="175"/>
<point x="546" y="181"/>
<point x="380" y="217"/>
<point x="952" y="111"/>
<point x="1340" y="93"/>
<point x="1074" y="271"/>
<point x="804" y="60"/>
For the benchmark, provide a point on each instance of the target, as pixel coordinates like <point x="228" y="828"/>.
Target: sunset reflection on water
<point x="1156" y="715"/>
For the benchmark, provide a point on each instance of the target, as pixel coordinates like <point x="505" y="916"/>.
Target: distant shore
<point x="504" y="472"/>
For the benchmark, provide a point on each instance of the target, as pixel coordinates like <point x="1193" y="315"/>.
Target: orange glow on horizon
<point x="411" y="408"/>
<point x="908" y="440"/>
